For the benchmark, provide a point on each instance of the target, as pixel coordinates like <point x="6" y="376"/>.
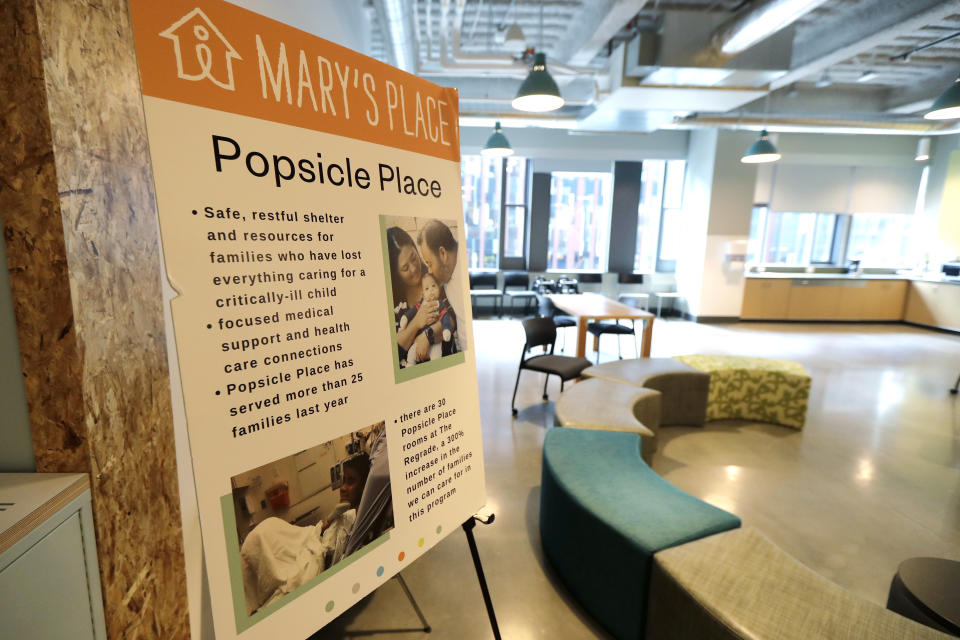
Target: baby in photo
<point x="442" y="344"/>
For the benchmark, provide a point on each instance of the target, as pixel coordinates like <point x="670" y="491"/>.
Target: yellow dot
<point x="420" y="542"/>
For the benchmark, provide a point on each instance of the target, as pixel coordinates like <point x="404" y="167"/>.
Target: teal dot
<point x="330" y="606"/>
<point x="379" y="571"/>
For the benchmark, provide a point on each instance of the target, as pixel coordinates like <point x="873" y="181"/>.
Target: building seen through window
<point x="494" y="199"/>
<point x="579" y="220"/>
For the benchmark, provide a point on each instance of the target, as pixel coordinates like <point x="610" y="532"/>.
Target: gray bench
<point x="683" y="389"/>
<point x="608" y="406"/>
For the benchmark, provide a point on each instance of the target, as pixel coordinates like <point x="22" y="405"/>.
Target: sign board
<point x="311" y="223"/>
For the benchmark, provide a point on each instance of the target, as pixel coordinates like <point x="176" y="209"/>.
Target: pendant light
<point x="762" y="150"/>
<point x="497" y="144"/>
<point x="923" y="150"/>
<point x="539" y="92"/>
<point x="947" y="106"/>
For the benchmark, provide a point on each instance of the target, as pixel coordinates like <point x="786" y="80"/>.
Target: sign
<point x="311" y="223"/>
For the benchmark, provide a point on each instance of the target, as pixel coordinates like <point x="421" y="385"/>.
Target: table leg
<point x="647" y="338"/>
<point x="581" y="337"/>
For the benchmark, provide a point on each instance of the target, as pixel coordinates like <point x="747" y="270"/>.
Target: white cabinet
<point x="49" y="578"/>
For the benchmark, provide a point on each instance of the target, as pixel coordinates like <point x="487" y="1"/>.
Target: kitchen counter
<point x="800" y="275"/>
<point x="930" y="299"/>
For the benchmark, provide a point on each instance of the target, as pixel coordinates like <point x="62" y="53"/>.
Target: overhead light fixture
<point x="947" y="106"/>
<point x="868" y="76"/>
<point x="539" y="92"/>
<point x="763" y="21"/>
<point x="923" y="150"/>
<point x="497" y="144"/>
<point x="513" y="39"/>
<point x="761" y="151"/>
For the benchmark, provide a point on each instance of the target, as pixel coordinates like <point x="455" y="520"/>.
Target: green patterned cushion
<point x="761" y="389"/>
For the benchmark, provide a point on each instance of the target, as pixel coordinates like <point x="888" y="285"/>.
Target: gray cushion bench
<point x="608" y="406"/>
<point x="740" y="585"/>
<point x="683" y="389"/>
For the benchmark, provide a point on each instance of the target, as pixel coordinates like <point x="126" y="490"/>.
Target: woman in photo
<point x="406" y="272"/>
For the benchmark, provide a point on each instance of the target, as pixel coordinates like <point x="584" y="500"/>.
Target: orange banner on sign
<point x="227" y="58"/>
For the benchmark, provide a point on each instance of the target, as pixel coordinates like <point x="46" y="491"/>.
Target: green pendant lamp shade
<point x="947" y="106"/>
<point x="539" y="92"/>
<point x="761" y="151"/>
<point x="497" y="145"/>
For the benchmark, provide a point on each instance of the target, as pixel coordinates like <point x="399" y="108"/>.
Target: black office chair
<point x="549" y="310"/>
<point x="520" y="281"/>
<point x="542" y="332"/>
<point x="614" y="328"/>
<point x="483" y="285"/>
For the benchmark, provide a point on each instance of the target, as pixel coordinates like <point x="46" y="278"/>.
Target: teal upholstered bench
<point x="604" y="513"/>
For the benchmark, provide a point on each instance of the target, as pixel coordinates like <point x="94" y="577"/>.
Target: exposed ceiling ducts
<point x="631" y="65"/>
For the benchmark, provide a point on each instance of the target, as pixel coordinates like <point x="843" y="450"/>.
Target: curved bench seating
<point x="684" y="389"/>
<point x="740" y="585"/>
<point x="762" y="389"/>
<point x="604" y="513"/>
<point x="623" y="408"/>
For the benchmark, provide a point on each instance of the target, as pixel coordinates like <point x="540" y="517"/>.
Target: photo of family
<point x="427" y="297"/>
<point x="299" y="516"/>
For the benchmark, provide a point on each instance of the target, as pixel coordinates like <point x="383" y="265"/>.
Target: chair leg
<point x="545" y="381"/>
<point x="513" y="403"/>
<point x="636" y="348"/>
<point x="598" y="349"/>
<point x="619" y="345"/>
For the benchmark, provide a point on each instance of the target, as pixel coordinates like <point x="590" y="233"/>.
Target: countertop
<point x="799" y="275"/>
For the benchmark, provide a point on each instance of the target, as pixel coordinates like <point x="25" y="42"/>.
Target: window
<point x="880" y="240"/>
<point x="794" y="238"/>
<point x="801" y="239"/>
<point x="515" y="208"/>
<point x="480" y="179"/>
<point x="579" y="221"/>
<point x="494" y="198"/>
<point x="659" y="216"/>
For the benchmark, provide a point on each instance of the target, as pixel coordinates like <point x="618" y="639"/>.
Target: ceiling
<point x="636" y="65"/>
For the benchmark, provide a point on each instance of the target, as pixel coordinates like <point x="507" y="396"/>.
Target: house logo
<point x="199" y="54"/>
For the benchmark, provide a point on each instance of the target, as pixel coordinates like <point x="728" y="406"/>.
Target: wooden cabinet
<point x="851" y="299"/>
<point x="934" y="304"/>
<point x="765" y="299"/>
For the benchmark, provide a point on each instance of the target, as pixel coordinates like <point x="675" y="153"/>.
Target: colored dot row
<point x="380" y="569"/>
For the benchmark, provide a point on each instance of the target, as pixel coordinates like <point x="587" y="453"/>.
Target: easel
<point x="468" y="528"/>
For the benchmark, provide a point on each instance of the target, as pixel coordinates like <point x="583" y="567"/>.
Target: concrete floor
<point x="874" y="478"/>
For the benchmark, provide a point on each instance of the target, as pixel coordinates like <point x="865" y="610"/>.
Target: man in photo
<point x="438" y="248"/>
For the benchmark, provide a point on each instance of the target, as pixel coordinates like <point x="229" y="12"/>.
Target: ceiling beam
<point x="920" y="96"/>
<point x="598" y="22"/>
<point x="869" y="25"/>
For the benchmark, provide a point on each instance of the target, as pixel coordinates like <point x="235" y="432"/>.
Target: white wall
<point x="718" y="201"/>
<point x="697" y="189"/>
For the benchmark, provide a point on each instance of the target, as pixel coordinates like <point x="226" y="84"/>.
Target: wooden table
<point x="591" y="306"/>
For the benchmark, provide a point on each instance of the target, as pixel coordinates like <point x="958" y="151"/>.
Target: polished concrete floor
<point x="874" y="478"/>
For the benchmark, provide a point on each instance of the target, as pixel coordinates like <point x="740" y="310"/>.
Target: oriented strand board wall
<point x="80" y="229"/>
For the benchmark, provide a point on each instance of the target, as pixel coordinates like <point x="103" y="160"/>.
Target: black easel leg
<point x="956" y="386"/>
<point x="468" y="529"/>
<point x="416" y="607"/>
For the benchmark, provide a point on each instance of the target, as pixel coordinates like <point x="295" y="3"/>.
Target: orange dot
<point x="401" y="556"/>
